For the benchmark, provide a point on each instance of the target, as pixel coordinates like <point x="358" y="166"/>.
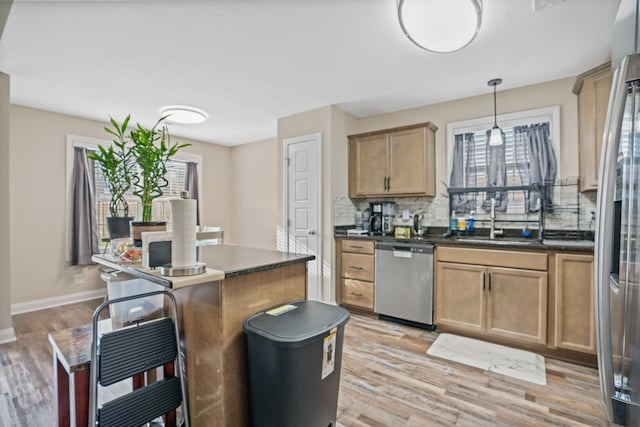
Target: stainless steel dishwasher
<point x="404" y="282"/>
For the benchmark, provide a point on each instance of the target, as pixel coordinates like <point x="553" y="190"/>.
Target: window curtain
<point x="191" y="185"/>
<point x="496" y="175"/>
<point x="84" y="229"/>
<point x="536" y="162"/>
<point x="464" y="173"/>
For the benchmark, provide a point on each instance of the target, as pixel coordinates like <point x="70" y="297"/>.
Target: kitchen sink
<point x="569" y="243"/>
<point x="499" y="242"/>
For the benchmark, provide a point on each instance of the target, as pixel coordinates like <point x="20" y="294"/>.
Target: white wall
<point x="254" y="186"/>
<point x="37" y="202"/>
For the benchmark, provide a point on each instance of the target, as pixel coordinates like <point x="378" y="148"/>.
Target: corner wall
<point x="6" y="328"/>
<point x="334" y="124"/>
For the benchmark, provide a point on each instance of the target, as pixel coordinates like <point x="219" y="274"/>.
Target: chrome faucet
<point x="493" y="232"/>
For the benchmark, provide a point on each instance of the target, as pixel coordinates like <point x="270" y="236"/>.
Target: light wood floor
<point x="387" y="380"/>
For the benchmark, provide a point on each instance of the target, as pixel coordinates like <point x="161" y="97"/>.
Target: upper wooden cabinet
<point x="592" y="88"/>
<point x="393" y="162"/>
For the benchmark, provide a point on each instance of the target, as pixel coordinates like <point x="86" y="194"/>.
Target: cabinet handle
<point x="385" y="183"/>
<point x="489" y="282"/>
<point x="356" y="295"/>
<point x="355" y="267"/>
<point x="484" y="277"/>
<point x="388" y="183"/>
<point x="356" y="247"/>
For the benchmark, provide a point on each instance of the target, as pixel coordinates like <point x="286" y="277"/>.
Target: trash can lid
<point x="296" y="321"/>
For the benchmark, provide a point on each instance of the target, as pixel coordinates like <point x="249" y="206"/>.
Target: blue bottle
<point x="471" y="221"/>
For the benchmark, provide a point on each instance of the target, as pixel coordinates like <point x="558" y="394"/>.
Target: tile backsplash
<point x="573" y="210"/>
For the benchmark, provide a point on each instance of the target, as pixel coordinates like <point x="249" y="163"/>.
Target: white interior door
<point x="303" y="199"/>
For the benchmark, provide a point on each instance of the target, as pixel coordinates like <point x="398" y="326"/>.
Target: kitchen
<point x="251" y="197"/>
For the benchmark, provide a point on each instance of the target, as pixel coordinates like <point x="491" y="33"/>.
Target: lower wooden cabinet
<point x="358" y="293"/>
<point x="460" y="296"/>
<point x="504" y="302"/>
<point x="355" y="262"/>
<point x="574" y="303"/>
<point x="517" y="304"/>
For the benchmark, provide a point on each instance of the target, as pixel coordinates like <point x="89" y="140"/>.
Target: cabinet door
<point x="574" y="309"/>
<point x="357" y="266"/>
<point x="367" y="165"/>
<point x="593" y="97"/>
<point x="460" y="296"/>
<point x="358" y="246"/>
<point x="408" y="166"/>
<point x="517" y="304"/>
<point x="358" y="293"/>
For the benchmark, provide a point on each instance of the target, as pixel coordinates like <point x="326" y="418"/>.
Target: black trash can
<point x="295" y="353"/>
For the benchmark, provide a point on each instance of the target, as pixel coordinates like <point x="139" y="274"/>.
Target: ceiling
<point x="249" y="62"/>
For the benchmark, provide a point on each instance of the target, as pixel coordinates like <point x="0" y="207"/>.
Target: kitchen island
<point x="238" y="283"/>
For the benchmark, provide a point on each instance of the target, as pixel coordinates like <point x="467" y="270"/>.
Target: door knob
<point x="312" y="232"/>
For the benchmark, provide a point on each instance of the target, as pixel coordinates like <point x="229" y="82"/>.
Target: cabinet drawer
<point x="357" y="292"/>
<point x="357" y="266"/>
<point x="493" y="258"/>
<point x="358" y="246"/>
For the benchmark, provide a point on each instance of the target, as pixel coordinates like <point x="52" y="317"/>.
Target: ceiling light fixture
<point x="183" y="114"/>
<point x="440" y="25"/>
<point x="496" y="133"/>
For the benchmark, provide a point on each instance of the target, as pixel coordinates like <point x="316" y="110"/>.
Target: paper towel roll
<point x="183" y="241"/>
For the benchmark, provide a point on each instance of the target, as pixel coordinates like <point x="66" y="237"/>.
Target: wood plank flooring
<point x="387" y="380"/>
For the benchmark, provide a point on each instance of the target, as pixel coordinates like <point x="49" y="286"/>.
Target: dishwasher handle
<point x="425" y="248"/>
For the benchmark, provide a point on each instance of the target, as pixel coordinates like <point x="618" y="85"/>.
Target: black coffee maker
<point x="375" y="218"/>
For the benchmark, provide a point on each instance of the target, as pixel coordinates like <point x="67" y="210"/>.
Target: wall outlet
<point x="78" y="279"/>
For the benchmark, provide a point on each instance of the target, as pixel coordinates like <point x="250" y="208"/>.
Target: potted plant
<point x="151" y="150"/>
<point x="115" y="163"/>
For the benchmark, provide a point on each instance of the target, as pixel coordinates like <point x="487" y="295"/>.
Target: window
<point x="176" y="175"/>
<point x="473" y="171"/>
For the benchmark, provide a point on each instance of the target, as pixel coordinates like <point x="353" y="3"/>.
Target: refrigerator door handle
<point x="604" y="230"/>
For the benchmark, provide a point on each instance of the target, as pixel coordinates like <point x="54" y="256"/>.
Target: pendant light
<point x="496" y="133"/>
<point x="440" y="26"/>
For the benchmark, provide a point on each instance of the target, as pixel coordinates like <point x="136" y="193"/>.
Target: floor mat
<point x="520" y="364"/>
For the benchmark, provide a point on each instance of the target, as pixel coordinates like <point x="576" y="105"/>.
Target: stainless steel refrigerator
<point x="617" y="249"/>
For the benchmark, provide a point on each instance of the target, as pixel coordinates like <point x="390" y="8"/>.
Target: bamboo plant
<point x="151" y="149"/>
<point x="115" y="163"/>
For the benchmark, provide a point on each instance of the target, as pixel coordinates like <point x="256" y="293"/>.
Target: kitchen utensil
<point x="417" y="218"/>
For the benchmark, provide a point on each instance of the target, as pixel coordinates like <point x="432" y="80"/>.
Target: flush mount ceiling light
<point x="440" y="25"/>
<point x="183" y="114"/>
<point x="496" y="132"/>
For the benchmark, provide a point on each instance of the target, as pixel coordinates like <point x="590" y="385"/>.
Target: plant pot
<point x="138" y="227"/>
<point x="118" y="226"/>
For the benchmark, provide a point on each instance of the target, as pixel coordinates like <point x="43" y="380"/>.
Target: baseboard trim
<point x="41" y="304"/>
<point x="7" y="335"/>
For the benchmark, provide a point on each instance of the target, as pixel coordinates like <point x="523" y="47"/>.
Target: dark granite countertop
<point x="238" y="260"/>
<point x="438" y="236"/>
